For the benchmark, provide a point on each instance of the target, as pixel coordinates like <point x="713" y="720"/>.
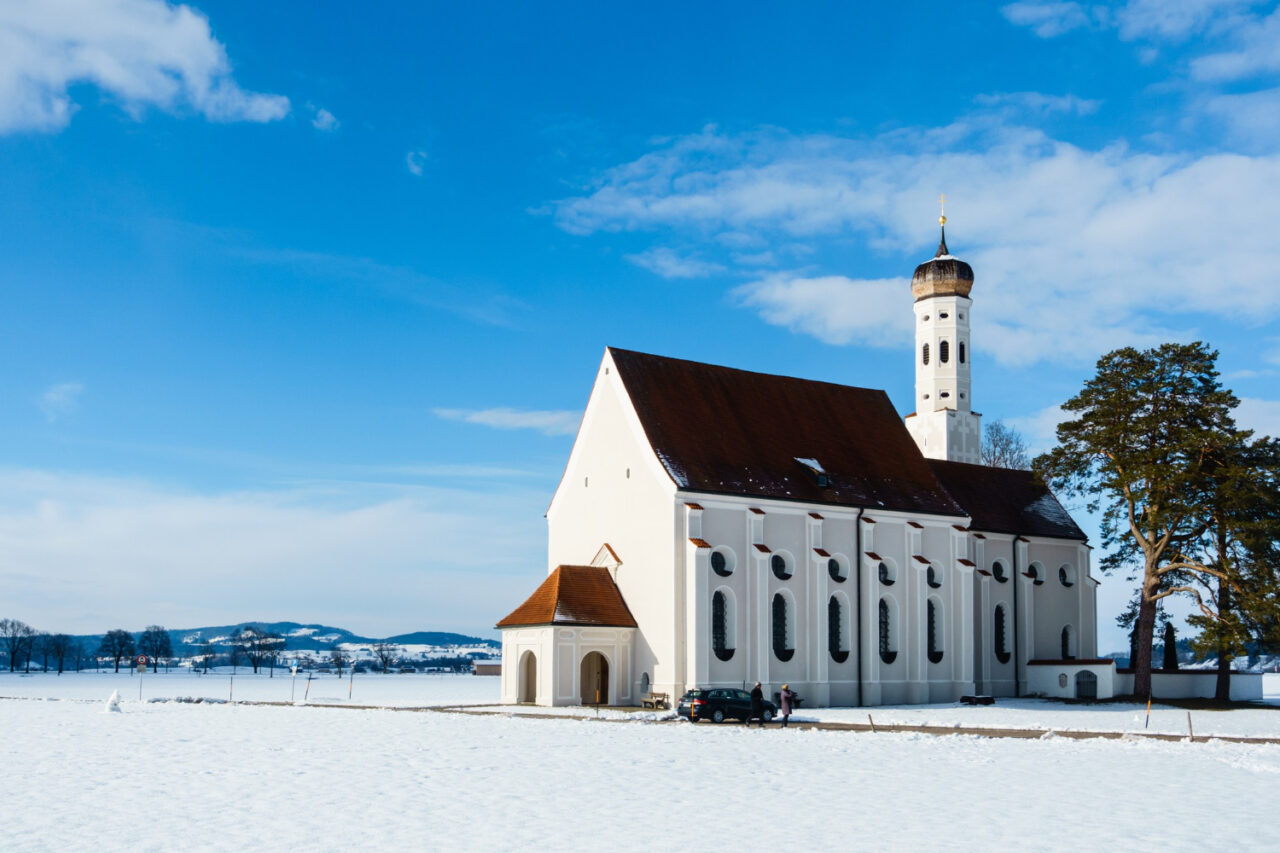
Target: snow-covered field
<point x="167" y="775"/>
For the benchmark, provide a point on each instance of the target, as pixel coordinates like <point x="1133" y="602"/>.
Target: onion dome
<point x="943" y="275"/>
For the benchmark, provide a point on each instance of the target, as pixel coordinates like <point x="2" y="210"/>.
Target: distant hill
<point x="302" y="636"/>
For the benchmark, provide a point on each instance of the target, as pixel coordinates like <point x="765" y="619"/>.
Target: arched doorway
<point x="1086" y="685"/>
<point x="528" y="677"/>
<point x="595" y="679"/>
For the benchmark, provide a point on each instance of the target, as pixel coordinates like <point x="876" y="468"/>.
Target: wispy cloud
<point x="1047" y="19"/>
<point x="306" y="552"/>
<point x="140" y="53"/>
<point x="1261" y="416"/>
<point x="324" y="120"/>
<point x="1076" y="250"/>
<point x="416" y="161"/>
<point x="60" y="399"/>
<point x="1039" y="102"/>
<point x="546" y="422"/>
<point x="668" y="264"/>
<point x="834" y="309"/>
<point x="1040" y="429"/>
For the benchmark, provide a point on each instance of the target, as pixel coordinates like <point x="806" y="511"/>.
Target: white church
<point x="715" y="527"/>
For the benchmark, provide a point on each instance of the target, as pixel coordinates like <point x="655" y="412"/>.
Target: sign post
<point x="142" y="670"/>
<point x="293" y="683"/>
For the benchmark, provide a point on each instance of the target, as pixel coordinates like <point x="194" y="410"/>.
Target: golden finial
<point x="942" y="209"/>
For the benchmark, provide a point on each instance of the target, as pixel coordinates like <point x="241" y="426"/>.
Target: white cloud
<point x="416" y="162"/>
<point x="1252" y="117"/>
<point x="1261" y="416"/>
<point x="1046" y="19"/>
<point x="1038" y="102"/>
<point x="59" y="400"/>
<point x="545" y="422"/>
<point x="324" y="120"/>
<point x="834" y="309"/>
<point x="84" y="553"/>
<point x="668" y="264"/>
<point x="1040" y="429"/>
<point x="140" y="53"/>
<point x="1076" y="251"/>
<point x="1256" y="50"/>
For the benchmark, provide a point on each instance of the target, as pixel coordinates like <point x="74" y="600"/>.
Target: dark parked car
<point x="719" y="703"/>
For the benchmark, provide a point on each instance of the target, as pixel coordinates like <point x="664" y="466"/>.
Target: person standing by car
<point x="786" y="697"/>
<point x="757" y="705"/>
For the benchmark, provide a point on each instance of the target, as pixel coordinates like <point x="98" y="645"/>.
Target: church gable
<point x="726" y="431"/>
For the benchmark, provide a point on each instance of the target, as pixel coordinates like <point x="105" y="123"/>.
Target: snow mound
<point x="113" y="703"/>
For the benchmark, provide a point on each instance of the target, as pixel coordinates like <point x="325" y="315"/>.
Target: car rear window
<point x="695" y="694"/>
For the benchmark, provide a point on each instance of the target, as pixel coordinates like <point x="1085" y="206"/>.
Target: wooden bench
<point x="977" y="700"/>
<point x="655" y="700"/>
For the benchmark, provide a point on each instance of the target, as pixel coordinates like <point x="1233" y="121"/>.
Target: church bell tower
<point x="944" y="424"/>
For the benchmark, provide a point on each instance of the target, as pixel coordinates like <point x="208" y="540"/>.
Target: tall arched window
<point x="1068" y="642"/>
<point x="887" y="652"/>
<point x="935" y="645"/>
<point x="782" y="647"/>
<point x="944" y="351"/>
<point x="925" y="354"/>
<point x="720" y="640"/>
<point x="961" y="346"/>
<point x="835" y="631"/>
<point x="1002" y="640"/>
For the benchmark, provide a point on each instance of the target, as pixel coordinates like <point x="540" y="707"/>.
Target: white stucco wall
<point x="1057" y="680"/>
<point x="615" y="490"/>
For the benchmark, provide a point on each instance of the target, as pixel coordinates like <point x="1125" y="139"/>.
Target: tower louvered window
<point x="944" y="351"/>
<point x="780" y="643"/>
<point x="720" y="626"/>
<point x="925" y="353"/>
<point x="961" y="345"/>
<point x="835" y="631"/>
<point x="935" y="653"/>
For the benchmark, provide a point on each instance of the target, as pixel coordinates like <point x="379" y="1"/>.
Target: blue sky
<point x="300" y="306"/>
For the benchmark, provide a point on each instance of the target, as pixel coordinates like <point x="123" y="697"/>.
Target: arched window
<point x="944" y="351"/>
<point x="720" y="639"/>
<point x="1036" y="573"/>
<point x="999" y="571"/>
<point x="961" y="346"/>
<point x="935" y="645"/>
<point x="926" y="354"/>
<point x="1068" y="642"/>
<point x="931" y="578"/>
<point x="783" y="648"/>
<point x="1067" y="575"/>
<point x="886" y="574"/>
<point x="887" y="652"/>
<point x="781" y="566"/>
<point x="1002" y="640"/>
<point x="835" y="631"/>
<point x="722" y="562"/>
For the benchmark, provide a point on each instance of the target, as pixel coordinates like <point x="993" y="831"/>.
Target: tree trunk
<point x="1145" y="628"/>
<point x="1222" y="690"/>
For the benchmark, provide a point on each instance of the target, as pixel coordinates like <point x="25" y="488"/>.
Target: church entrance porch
<point x="595" y="679"/>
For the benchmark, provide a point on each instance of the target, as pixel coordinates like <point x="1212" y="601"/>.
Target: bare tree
<point x="154" y="642"/>
<point x="273" y="645"/>
<point x="59" y="647"/>
<point x="1004" y="447"/>
<point x="202" y="654"/>
<point x="386" y="654"/>
<point x="338" y="658"/>
<point x="117" y="644"/>
<point x="17" y="637"/>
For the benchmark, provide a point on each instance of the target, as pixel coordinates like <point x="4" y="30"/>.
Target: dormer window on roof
<point x="819" y="474"/>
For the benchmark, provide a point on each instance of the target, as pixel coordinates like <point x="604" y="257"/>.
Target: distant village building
<point x="486" y="667"/>
<point x="715" y="527"/>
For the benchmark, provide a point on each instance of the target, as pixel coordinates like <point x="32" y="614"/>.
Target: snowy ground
<point x="162" y="776"/>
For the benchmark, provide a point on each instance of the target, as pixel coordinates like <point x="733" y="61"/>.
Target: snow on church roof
<point x="573" y="595"/>
<point x="725" y="431"/>
<point x="1003" y="500"/>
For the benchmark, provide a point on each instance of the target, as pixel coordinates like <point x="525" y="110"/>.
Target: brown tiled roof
<point x="725" y="431"/>
<point x="701" y="543"/>
<point x="574" y="595"/>
<point x="1002" y="500"/>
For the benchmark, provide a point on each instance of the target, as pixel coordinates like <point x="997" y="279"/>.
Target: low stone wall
<point x="1193" y="684"/>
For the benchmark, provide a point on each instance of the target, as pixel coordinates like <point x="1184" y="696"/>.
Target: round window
<point x="779" y="565"/>
<point x="720" y="564"/>
<point x="835" y="570"/>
